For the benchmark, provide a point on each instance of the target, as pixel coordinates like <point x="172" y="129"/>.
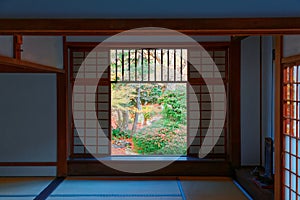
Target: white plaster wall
<point x="6" y="45"/>
<point x="250" y="137"/>
<point x="47" y="50"/>
<point x="267" y="91"/>
<point x="291" y="45"/>
<point x="28" y="122"/>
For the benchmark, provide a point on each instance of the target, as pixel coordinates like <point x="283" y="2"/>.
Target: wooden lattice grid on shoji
<point x="96" y="143"/>
<point x="202" y="103"/>
<point x="291" y="128"/>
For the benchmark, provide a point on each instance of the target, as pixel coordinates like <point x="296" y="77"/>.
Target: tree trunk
<point x="138" y="106"/>
<point x="125" y="120"/>
<point x="119" y="119"/>
<point x="145" y="121"/>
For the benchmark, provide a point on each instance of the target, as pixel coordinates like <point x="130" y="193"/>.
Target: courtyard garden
<point x="148" y="118"/>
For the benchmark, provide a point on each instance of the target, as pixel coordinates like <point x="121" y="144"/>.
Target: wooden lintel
<point x="194" y="26"/>
<point x="14" y="65"/>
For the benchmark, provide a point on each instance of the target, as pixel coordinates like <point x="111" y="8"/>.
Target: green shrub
<point x="160" y="141"/>
<point x="175" y="146"/>
<point x="148" y="142"/>
<point x="174" y="107"/>
<point x="118" y="134"/>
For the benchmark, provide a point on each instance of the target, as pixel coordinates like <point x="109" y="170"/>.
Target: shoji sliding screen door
<point x="291" y="131"/>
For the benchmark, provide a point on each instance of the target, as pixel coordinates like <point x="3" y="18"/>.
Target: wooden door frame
<point x="278" y="118"/>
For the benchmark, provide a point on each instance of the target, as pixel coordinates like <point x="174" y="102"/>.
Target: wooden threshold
<point x="13" y="65"/>
<point x="176" y="168"/>
<point x="138" y="178"/>
<point x="192" y="26"/>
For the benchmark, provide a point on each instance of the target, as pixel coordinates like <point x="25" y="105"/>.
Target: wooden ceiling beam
<point x="210" y="26"/>
<point x="13" y="65"/>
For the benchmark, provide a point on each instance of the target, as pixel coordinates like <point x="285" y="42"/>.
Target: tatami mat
<point x="217" y="189"/>
<point x="88" y="188"/>
<point x="30" y="197"/>
<point x="115" y="198"/>
<point x="116" y="189"/>
<point x="22" y="188"/>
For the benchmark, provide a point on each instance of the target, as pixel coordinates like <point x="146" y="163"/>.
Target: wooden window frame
<point x="232" y="151"/>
